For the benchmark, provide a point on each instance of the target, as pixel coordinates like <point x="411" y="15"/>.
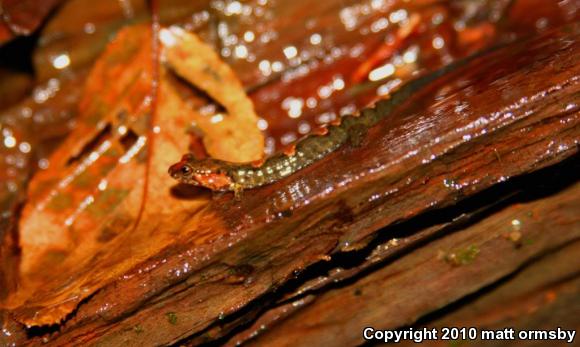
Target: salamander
<point x="219" y="175"/>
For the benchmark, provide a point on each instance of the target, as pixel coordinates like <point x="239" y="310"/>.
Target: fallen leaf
<point x="79" y="31"/>
<point x="22" y="17"/>
<point x="194" y="60"/>
<point x="105" y="202"/>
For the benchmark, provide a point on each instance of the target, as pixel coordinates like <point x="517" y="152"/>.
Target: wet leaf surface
<point x="81" y="187"/>
<point x="22" y="17"/>
<point x="74" y="37"/>
<point x="235" y="128"/>
<point x="97" y="205"/>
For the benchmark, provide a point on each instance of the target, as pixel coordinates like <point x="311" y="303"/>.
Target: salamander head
<point x="208" y="173"/>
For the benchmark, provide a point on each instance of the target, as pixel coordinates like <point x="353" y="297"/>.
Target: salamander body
<point x="220" y="175"/>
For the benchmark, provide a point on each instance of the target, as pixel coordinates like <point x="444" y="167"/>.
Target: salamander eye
<point x="185" y="170"/>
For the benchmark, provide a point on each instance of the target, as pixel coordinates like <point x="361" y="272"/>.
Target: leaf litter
<point x="105" y="203"/>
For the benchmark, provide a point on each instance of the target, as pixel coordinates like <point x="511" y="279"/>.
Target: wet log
<point x="506" y="264"/>
<point x="505" y="114"/>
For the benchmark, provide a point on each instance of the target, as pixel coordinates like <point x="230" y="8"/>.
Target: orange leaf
<point x="233" y="136"/>
<point x="98" y="210"/>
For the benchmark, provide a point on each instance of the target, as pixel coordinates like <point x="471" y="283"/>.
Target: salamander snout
<point x="206" y="172"/>
<point x="180" y="171"/>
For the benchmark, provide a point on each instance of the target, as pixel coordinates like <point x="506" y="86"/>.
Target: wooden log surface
<point x="463" y="258"/>
<point x="507" y="113"/>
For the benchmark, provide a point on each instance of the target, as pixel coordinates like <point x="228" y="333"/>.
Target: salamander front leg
<point x="238" y="191"/>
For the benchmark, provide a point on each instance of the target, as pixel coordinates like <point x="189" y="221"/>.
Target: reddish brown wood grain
<point x="427" y="279"/>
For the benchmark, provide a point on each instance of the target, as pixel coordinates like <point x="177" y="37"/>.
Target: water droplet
<point x="217" y="118"/>
<point x="290" y="52"/>
<point x="348" y="18"/>
<point x="315" y="39"/>
<point x="265" y="67"/>
<point x="241" y="51"/>
<point x="226" y="52"/>
<point x="24" y="147"/>
<point x="249" y="36"/>
<point x="168" y="37"/>
<point x="398" y="16"/>
<point x="304" y="128"/>
<point x="26" y="112"/>
<point x="437" y="18"/>
<point x="379" y="24"/>
<point x="61" y="61"/>
<point x="288" y="138"/>
<point x="542" y="23"/>
<point x="382" y="72"/>
<point x="262" y="124"/>
<point x="438" y="42"/>
<point x="386" y="88"/>
<point x="311" y="102"/>
<point x="9" y="141"/>
<point x="270" y="146"/>
<point x="43" y="93"/>
<point x="324" y="92"/>
<point x="293" y="106"/>
<point x="410" y="55"/>
<point x="43" y="163"/>
<point x="89" y="28"/>
<point x="338" y="83"/>
<point x="103" y="184"/>
<point x="233" y="8"/>
<point x="277" y="66"/>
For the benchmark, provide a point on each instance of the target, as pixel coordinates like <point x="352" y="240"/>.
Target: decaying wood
<point x="506" y="114"/>
<point x="441" y="271"/>
<point x="542" y="296"/>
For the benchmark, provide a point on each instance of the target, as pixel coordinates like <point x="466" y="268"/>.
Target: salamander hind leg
<point x="238" y="191"/>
